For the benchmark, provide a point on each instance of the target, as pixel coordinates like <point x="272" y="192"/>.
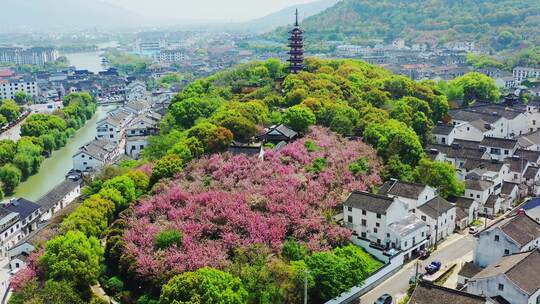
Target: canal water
<point x="54" y="168"/>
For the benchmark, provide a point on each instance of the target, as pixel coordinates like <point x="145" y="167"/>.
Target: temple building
<point x="296" y="43"/>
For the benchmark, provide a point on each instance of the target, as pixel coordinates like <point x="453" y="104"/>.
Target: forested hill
<point x="499" y="24"/>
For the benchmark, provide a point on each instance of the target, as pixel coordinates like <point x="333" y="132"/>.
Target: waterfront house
<point x="29" y="213"/>
<point x="59" y="197"/>
<point x="10" y="230"/>
<point x="94" y="155"/>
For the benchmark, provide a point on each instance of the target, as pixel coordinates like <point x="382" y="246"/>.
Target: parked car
<point x="384" y="299"/>
<point x="473" y="230"/>
<point x="433" y="267"/>
<point x="424" y="254"/>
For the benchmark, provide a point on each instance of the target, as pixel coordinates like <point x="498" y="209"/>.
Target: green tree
<point x="167" y="238"/>
<point x="11" y="177"/>
<point x="125" y="186"/>
<point x="475" y="87"/>
<point x="73" y="257"/>
<point x="187" y="111"/>
<point x="440" y="175"/>
<point x="205" y="285"/>
<point x="10" y="110"/>
<point x="294" y="251"/>
<point x="299" y="118"/>
<point x="166" y="167"/>
<point x="49" y="292"/>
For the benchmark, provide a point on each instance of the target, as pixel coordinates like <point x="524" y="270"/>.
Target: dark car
<point x="424" y="254"/>
<point x="384" y="299"/>
<point x="433" y="267"/>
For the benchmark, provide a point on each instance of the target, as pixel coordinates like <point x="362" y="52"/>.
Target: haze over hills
<point x="499" y="24"/>
<point x="50" y="15"/>
<point x="286" y="16"/>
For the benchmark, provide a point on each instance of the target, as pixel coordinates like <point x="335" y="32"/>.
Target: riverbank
<point x="53" y="169"/>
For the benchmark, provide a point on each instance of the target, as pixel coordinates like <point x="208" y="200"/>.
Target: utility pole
<point x="306" y="273"/>
<point x="437" y="221"/>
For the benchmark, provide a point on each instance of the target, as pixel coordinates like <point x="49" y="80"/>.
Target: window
<point x="363" y="234"/>
<point x="501" y="287"/>
<point x="388" y="235"/>
<point x="364" y="223"/>
<point x="349" y="219"/>
<point x="506" y="252"/>
<point x="349" y="209"/>
<point x="423" y="218"/>
<point x="378" y="215"/>
<point x="472" y="195"/>
<point x="375" y="230"/>
<point x="443" y="140"/>
<point x="496" y="238"/>
<point x="506" y="152"/>
<point x="377" y="225"/>
<point x="423" y="233"/>
<point x="363" y="212"/>
<point x="478" y="196"/>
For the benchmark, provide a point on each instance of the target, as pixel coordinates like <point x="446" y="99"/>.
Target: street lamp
<point x="306" y="273"/>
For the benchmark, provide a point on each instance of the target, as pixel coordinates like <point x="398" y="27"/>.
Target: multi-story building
<point x="29" y="214"/>
<point x="512" y="279"/>
<point x="10" y="230"/>
<point x="385" y="222"/>
<point x="10" y="87"/>
<point x="95" y="154"/>
<point x="518" y="233"/>
<point x="138" y="131"/>
<point x="34" y="56"/>
<point x="523" y="73"/>
<point x="172" y="55"/>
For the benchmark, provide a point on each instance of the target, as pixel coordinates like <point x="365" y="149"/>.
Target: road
<point x="457" y="246"/>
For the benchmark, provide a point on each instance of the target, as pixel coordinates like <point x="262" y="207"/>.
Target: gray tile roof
<point x="469" y="270"/>
<point x="457" y="151"/>
<point x="402" y="189"/>
<point x="488" y="165"/>
<point x="521" y="269"/>
<point x="520" y="228"/>
<point x="502" y="143"/>
<point x="58" y="193"/>
<point x="22" y="206"/>
<point x="437" y="205"/>
<point x="369" y="202"/>
<point x="467" y="143"/>
<point x="477" y="185"/>
<point x="530" y="173"/>
<point x="491" y="201"/>
<point x="532" y="156"/>
<point x="442" y="129"/>
<point x="508" y="187"/>
<point x="461" y="202"/>
<point x="98" y="148"/>
<point x="516" y="164"/>
<point x="426" y="293"/>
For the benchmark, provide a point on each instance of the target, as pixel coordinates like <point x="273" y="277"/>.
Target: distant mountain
<point x="285" y="16"/>
<point x="47" y="15"/>
<point x="499" y="24"/>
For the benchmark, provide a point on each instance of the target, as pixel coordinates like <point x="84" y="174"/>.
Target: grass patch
<point x="477" y="223"/>
<point x="444" y="277"/>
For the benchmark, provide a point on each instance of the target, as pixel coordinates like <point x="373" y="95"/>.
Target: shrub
<point x="167" y="238"/>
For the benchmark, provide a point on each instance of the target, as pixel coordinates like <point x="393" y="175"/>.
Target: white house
<point x="472" y="130"/>
<point x="383" y="221"/>
<point x="512" y="279"/>
<point x="10" y="230"/>
<point x="518" y="233"/>
<point x="29" y="213"/>
<point x="138" y="131"/>
<point x="499" y="148"/>
<point x="110" y="129"/>
<point x="523" y="73"/>
<point x="478" y="190"/>
<point x="94" y="155"/>
<point x="440" y="217"/>
<point x="444" y="134"/>
<point x="412" y="194"/>
<point x="532" y="209"/>
<point x="457" y="155"/>
<point x="509" y="193"/>
<point x="468" y="208"/>
<point x="487" y="170"/>
<point x="59" y="197"/>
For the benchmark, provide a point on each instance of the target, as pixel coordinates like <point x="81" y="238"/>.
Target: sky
<point x="207" y="10"/>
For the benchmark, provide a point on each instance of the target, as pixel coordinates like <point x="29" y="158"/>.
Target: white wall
<point x="488" y="250"/>
<point x="534" y="213"/>
<point x="466" y="131"/>
<point x="84" y="162"/>
<point x="490" y="287"/>
<point x="446" y="221"/>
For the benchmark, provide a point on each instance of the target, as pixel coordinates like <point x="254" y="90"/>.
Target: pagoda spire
<point x="296" y="45"/>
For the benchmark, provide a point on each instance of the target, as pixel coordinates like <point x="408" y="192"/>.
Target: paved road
<point x="396" y="285"/>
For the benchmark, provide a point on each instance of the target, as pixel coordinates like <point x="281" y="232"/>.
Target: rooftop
<point x="407" y="225"/>
<point x="425" y="293"/>
<point x="520" y="228"/>
<point x="98" y="148"/>
<point x="521" y="269"/>
<point x="508" y="187"/>
<point x="503" y="143"/>
<point x="530" y="173"/>
<point x="57" y="193"/>
<point x="368" y="201"/>
<point x="403" y="189"/>
<point x="477" y="185"/>
<point x="442" y="129"/>
<point x="22" y="206"/>
<point x="469" y="270"/>
<point x="435" y="207"/>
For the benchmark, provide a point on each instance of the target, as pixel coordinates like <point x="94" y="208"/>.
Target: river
<point x="53" y="170"/>
<point x="90" y="60"/>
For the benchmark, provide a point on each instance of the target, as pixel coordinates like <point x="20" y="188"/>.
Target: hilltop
<point x="497" y="24"/>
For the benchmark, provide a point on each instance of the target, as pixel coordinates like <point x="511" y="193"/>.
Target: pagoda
<point x="296" y="43"/>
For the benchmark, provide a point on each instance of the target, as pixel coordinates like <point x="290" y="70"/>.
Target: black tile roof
<point x="457" y="151"/>
<point x="426" y="293"/>
<point x="403" y="189"/>
<point x="442" y="129"/>
<point x="503" y="143"/>
<point x="437" y="205"/>
<point x="22" y="206"/>
<point x="369" y="202"/>
<point x="57" y="193"/>
<point x="532" y="156"/>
